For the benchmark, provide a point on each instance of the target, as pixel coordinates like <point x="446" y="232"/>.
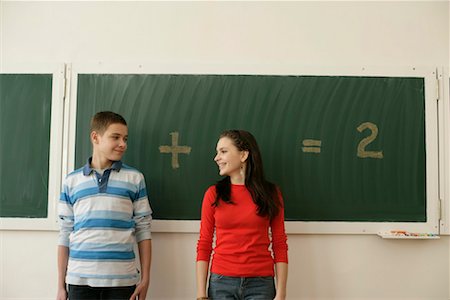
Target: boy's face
<point x="112" y="144"/>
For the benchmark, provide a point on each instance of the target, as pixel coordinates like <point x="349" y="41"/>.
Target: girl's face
<point x="229" y="158"/>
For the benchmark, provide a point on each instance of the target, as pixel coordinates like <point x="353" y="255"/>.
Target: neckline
<point x="237" y="185"/>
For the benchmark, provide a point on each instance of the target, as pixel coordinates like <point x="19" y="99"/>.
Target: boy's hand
<point x="62" y="294"/>
<point x="140" y="291"/>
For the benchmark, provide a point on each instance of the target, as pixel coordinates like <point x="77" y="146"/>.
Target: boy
<point x="103" y="212"/>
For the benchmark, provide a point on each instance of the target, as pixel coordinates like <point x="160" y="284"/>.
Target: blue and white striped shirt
<point x="101" y="219"/>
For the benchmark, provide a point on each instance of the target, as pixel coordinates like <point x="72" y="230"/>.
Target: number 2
<point x="361" y="152"/>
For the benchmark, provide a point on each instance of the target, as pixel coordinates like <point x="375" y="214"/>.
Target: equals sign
<point x="311" y="146"/>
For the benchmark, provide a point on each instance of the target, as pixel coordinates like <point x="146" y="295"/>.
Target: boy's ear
<point x="94" y="137"/>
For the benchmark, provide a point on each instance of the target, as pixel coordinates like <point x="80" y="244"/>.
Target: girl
<point x="241" y="208"/>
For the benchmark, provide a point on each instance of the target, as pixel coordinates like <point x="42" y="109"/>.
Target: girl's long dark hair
<point x="264" y="193"/>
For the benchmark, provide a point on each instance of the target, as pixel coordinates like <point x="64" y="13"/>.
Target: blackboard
<point x="25" y="115"/>
<point x="341" y="148"/>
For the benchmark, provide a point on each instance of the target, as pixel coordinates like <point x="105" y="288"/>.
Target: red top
<point x="242" y="237"/>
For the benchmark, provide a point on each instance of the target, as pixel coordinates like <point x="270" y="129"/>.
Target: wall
<point x="391" y="34"/>
<point x="448" y="142"/>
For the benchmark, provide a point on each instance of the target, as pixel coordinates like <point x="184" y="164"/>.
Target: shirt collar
<point x="87" y="170"/>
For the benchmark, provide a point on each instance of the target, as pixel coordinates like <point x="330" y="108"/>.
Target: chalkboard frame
<point x="431" y="132"/>
<point x="55" y="148"/>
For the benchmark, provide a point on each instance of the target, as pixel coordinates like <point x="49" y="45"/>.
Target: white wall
<point x="392" y="34"/>
<point x="448" y="143"/>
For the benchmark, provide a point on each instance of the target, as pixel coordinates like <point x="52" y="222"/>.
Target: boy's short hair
<point x="103" y="119"/>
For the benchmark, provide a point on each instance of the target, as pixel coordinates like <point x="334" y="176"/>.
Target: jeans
<point x="241" y="288"/>
<point x="84" y="292"/>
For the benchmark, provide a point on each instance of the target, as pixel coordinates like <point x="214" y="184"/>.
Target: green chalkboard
<point x="25" y="107"/>
<point x="342" y="148"/>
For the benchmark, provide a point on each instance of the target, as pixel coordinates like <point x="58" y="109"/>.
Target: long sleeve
<point x="101" y="222"/>
<point x="242" y="241"/>
<point x="142" y="213"/>
<point x="207" y="225"/>
<point x="66" y="216"/>
<point x="279" y="238"/>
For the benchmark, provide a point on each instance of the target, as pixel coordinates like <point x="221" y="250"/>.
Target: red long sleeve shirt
<point x="242" y="237"/>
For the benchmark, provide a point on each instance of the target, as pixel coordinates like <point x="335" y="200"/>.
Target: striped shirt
<point x="102" y="217"/>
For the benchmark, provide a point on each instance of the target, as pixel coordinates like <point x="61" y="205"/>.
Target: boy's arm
<point x="145" y="255"/>
<point x="66" y="222"/>
<point x="143" y="220"/>
<point x="63" y="258"/>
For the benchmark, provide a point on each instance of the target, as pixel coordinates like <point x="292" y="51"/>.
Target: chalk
<point x="403" y="234"/>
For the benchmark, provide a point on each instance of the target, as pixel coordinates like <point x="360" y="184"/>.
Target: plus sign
<point x="175" y="150"/>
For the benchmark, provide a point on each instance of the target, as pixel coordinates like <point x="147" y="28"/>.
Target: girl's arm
<point x="281" y="270"/>
<point x="204" y="244"/>
<point x="280" y="251"/>
<point x="202" y="275"/>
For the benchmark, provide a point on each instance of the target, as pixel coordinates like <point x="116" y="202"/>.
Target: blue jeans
<point x="241" y="288"/>
<point x="84" y="292"/>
